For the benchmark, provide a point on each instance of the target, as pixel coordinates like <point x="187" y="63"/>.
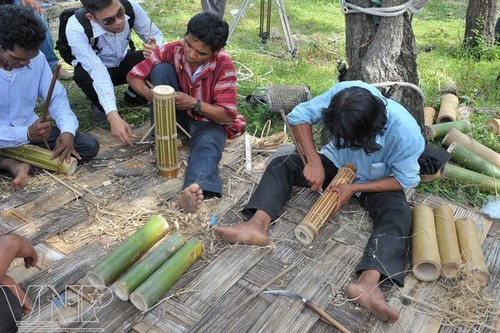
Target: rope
<point x="414" y="6"/>
<point x="404" y="84"/>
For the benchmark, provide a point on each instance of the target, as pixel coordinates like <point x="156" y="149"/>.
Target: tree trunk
<point x="480" y="22"/>
<point x="384" y="52"/>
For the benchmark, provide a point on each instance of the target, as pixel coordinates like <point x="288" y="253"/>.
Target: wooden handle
<point x="55" y="74"/>
<point x="327" y="317"/>
<point x="290" y="130"/>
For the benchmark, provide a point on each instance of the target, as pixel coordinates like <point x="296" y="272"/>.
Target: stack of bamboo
<point x="475" y="163"/>
<point x="144" y="281"/>
<point x="441" y="246"/>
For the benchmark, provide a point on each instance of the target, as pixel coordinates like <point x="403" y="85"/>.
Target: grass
<point x="318" y="30"/>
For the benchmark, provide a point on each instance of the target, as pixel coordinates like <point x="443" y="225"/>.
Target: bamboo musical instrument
<point x="308" y="229"/>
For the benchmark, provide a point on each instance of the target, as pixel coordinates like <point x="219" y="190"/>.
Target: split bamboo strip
<point x="116" y="262"/>
<point x="40" y="157"/>
<point x="493" y="125"/>
<point x="308" y="229"/>
<point x="143" y="269"/>
<point x="437" y="131"/>
<point x="488" y="154"/>
<point x="448" y="108"/>
<point x="160" y="282"/>
<point x="470" y="249"/>
<point x="425" y="253"/>
<point x="166" y="132"/>
<point x="429" y="115"/>
<point x="449" y="251"/>
<point x="483" y="182"/>
<point x="472" y="161"/>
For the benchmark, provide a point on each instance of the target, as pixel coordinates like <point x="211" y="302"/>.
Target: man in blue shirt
<point x="384" y="142"/>
<point x="25" y="76"/>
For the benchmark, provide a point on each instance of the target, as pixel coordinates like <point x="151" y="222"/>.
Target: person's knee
<point x="164" y="73"/>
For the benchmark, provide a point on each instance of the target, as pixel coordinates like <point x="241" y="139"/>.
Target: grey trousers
<point x="216" y="7"/>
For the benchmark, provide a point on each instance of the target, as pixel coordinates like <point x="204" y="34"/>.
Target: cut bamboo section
<point x="438" y="131"/>
<point x="493" y="125"/>
<point x="472" y="161"/>
<point x="425" y="253"/>
<point x="483" y="182"/>
<point x="40" y="157"/>
<point x="466" y="141"/>
<point x="448" y="108"/>
<point x="308" y="229"/>
<point x="116" y="262"/>
<point x="470" y="249"/>
<point x="143" y="269"/>
<point x="160" y="282"/>
<point x="449" y="252"/>
<point x="429" y="115"/>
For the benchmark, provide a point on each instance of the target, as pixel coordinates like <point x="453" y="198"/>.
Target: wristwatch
<point x="197" y="107"/>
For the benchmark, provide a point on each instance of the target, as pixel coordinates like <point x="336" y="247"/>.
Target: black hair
<point x="354" y="118"/>
<point x="209" y="29"/>
<point x="94" y="6"/>
<point x="19" y="26"/>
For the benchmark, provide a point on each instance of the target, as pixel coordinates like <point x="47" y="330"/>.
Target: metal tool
<point x="325" y="316"/>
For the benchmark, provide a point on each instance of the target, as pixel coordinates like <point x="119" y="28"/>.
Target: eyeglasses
<point x="112" y="19"/>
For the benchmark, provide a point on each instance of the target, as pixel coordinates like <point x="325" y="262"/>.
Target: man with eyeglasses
<point x="98" y="70"/>
<point x="204" y="79"/>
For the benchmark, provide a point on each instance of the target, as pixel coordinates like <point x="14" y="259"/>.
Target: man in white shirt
<point x="98" y="70"/>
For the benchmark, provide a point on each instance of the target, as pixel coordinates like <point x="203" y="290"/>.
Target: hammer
<point x="329" y="319"/>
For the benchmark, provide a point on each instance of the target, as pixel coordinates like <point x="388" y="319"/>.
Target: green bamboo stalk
<point x="160" y="282"/>
<point x="40" y="157"/>
<point x="143" y="269"/>
<point x="116" y="262"/>
<point x="472" y="161"/>
<point x="485" y="183"/>
<point x="437" y="131"/>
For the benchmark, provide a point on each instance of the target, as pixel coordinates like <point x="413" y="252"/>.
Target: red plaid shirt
<point x="215" y="84"/>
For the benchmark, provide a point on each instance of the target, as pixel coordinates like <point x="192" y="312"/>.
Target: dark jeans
<point x="118" y="76"/>
<point x="11" y="310"/>
<point x="387" y="248"/>
<point x="86" y="145"/>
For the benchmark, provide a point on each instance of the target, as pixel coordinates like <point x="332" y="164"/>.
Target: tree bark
<point x="384" y="52"/>
<point x="480" y="22"/>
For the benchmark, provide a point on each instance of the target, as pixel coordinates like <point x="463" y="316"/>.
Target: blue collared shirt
<point x="19" y="91"/>
<point x="402" y="142"/>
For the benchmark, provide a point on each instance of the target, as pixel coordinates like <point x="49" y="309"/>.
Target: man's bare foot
<point x="252" y="232"/>
<point x="365" y="292"/>
<point x="190" y="199"/>
<point x="19" y="171"/>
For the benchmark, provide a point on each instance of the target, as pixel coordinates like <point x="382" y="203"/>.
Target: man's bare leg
<point x="19" y="171"/>
<point x="365" y="292"/>
<point x="191" y="198"/>
<point x="252" y="232"/>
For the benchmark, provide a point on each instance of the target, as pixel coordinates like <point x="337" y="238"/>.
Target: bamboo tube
<point x="448" y="108"/>
<point x="308" y="229"/>
<point x="429" y="115"/>
<point x="160" y="282"/>
<point x="483" y="182"/>
<point x="493" y="125"/>
<point x="488" y="154"/>
<point x="143" y="269"/>
<point x="425" y="253"/>
<point x="472" y="161"/>
<point x="437" y="131"/>
<point x="449" y="252"/>
<point x="116" y="262"/>
<point x="40" y="157"/>
<point x="470" y="249"/>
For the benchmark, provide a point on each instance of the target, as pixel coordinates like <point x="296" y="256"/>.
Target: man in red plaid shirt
<point x="204" y="79"/>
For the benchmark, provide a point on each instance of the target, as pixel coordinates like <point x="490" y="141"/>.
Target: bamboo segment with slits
<point x="449" y="251"/>
<point x="308" y="229"/>
<point x="166" y="131"/>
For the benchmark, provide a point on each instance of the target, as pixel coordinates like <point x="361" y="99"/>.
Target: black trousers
<point x="388" y="245"/>
<point x="118" y="76"/>
<point x="11" y="310"/>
